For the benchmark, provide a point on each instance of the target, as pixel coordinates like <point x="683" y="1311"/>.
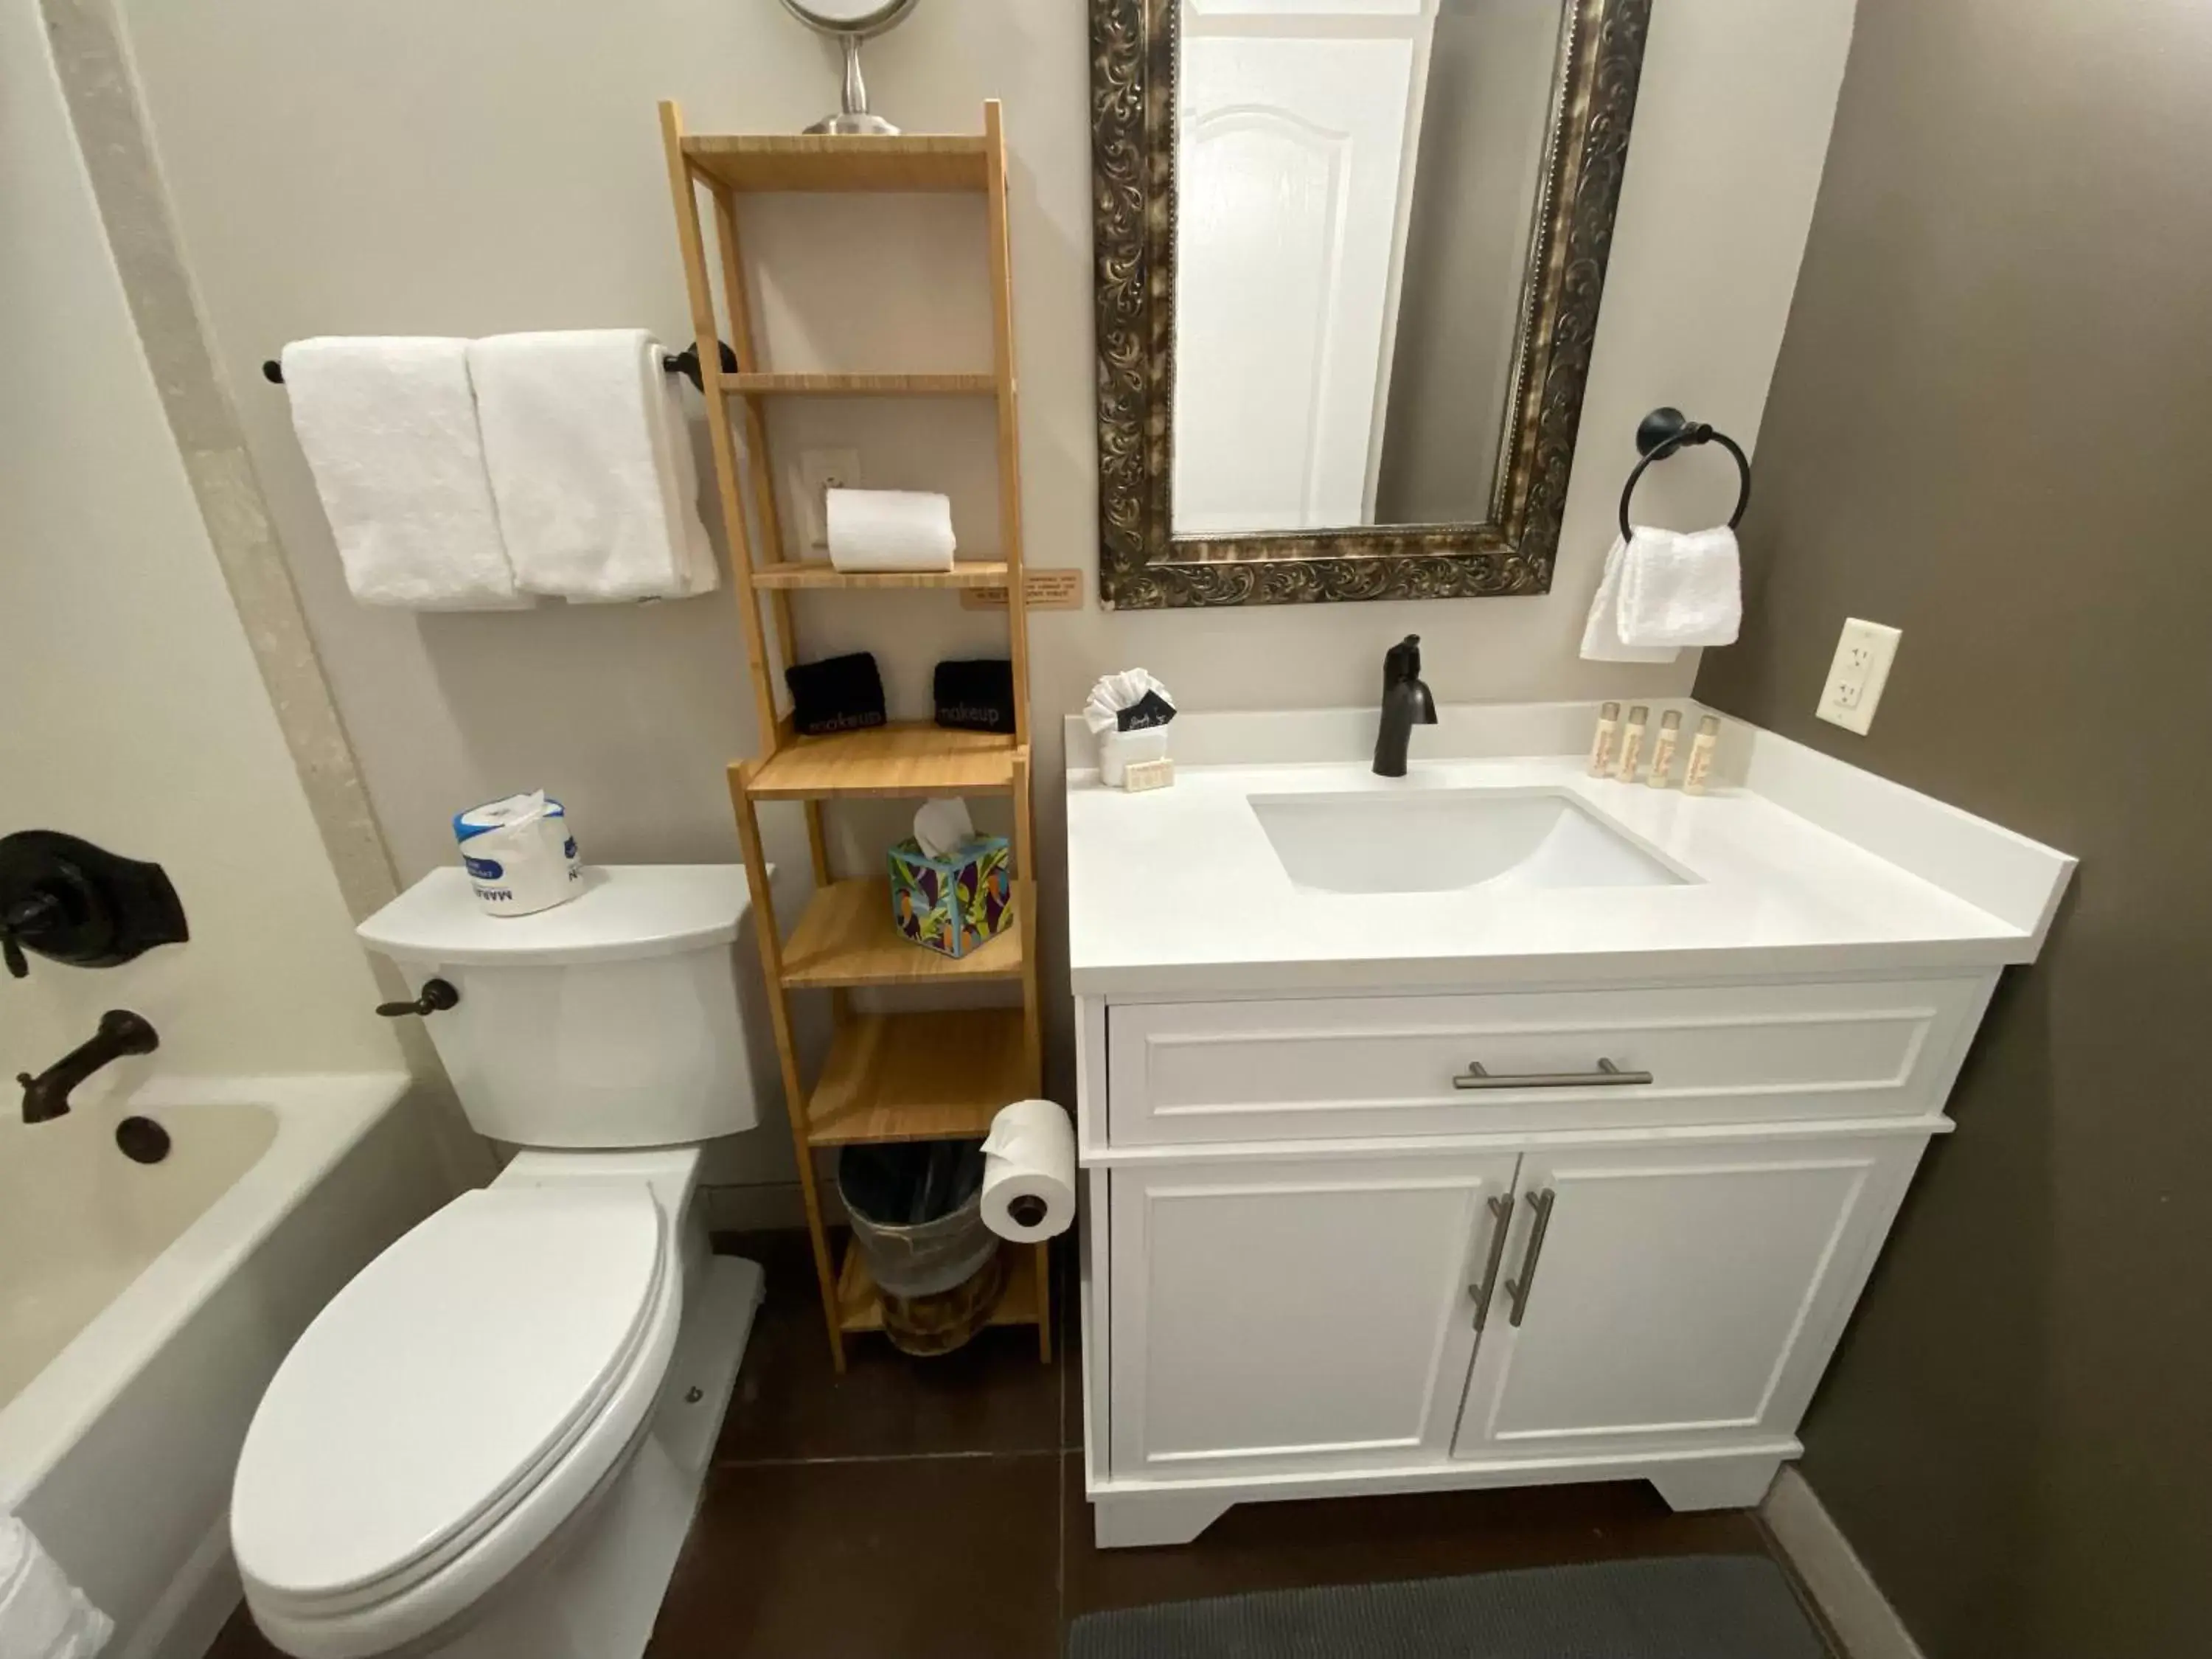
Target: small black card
<point x="976" y="695"/>
<point x="838" y="693"/>
<point x="1148" y="711"/>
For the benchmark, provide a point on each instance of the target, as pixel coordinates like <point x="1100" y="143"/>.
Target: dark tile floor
<point x="913" y="1510"/>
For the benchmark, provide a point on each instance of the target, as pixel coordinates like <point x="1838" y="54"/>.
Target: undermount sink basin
<point x="1444" y="839"/>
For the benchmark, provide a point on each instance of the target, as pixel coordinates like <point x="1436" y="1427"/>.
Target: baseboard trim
<point x="1832" y="1572"/>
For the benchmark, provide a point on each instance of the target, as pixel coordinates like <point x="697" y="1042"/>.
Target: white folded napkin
<point x="389" y="430"/>
<point x="1664" y="589"/>
<point x="889" y="529"/>
<point x="584" y="442"/>
<point x="42" y="1614"/>
<point x="1102" y="709"/>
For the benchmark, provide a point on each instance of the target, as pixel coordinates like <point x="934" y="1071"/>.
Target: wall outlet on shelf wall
<point x="820" y="471"/>
<point x="1856" y="678"/>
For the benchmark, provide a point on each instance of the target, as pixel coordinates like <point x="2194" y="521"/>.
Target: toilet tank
<point x="612" y="1020"/>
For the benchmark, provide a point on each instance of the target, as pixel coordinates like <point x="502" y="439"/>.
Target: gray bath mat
<point x="1692" y="1607"/>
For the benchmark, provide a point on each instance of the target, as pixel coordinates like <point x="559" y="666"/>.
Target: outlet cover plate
<point x="1856" y="678"/>
<point x="819" y="471"/>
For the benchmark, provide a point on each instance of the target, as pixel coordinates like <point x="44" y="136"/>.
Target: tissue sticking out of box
<point x="942" y="826"/>
<point x="1128" y="712"/>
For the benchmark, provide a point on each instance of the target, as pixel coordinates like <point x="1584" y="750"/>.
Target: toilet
<point x="491" y="1442"/>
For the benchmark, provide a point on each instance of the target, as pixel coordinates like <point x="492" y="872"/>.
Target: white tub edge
<point x="320" y="1117"/>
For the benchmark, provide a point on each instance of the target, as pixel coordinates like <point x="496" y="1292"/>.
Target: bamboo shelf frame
<point x="888" y="1077"/>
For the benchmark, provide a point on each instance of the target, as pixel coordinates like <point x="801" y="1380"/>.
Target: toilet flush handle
<point x="438" y="995"/>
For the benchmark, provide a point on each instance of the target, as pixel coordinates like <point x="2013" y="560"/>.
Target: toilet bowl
<point x="490" y="1444"/>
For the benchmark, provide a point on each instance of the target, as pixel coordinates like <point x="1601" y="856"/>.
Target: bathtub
<point x="143" y="1309"/>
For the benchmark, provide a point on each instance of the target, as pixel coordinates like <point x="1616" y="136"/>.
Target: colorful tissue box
<point x="955" y="904"/>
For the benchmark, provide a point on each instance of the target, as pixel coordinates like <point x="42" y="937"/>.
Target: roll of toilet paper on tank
<point x="519" y="853"/>
<point x="1028" y="1172"/>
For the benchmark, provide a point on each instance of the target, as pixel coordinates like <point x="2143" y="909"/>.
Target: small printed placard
<point x="1048" y="590"/>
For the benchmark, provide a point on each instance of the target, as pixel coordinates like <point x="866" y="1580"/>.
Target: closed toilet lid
<point x="438" y="1385"/>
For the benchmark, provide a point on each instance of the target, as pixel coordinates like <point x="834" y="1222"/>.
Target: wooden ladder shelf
<point x="888" y="1077"/>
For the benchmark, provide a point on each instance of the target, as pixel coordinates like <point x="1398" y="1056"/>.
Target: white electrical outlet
<point x="1861" y="669"/>
<point x="821" y="470"/>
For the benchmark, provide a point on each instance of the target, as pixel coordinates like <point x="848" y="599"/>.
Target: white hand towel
<point x="389" y="430"/>
<point x="888" y="529"/>
<point x="590" y="465"/>
<point x="42" y="1614"/>
<point x="1678" y="589"/>
<point x="1601" y="640"/>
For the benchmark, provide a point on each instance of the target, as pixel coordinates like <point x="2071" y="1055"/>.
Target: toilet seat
<point x="457" y="1403"/>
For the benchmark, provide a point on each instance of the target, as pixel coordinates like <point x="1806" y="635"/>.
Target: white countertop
<point x="1177" y="891"/>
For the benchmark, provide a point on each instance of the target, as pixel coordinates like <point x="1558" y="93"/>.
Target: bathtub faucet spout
<point x="121" y="1032"/>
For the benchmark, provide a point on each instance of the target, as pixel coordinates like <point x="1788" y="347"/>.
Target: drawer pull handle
<point x="1607" y="1075"/>
<point x="1517" y="1289"/>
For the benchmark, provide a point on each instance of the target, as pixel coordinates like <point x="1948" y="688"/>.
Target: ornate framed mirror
<point x="1349" y="255"/>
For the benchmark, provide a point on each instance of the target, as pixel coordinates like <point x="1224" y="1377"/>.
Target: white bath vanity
<point x="1497" y="1125"/>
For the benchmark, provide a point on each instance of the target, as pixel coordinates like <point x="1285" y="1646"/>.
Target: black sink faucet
<point x="121" y="1032"/>
<point x="1406" y="704"/>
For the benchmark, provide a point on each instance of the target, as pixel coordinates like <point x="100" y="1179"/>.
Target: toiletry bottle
<point x="1701" y="756"/>
<point x="1608" y="730"/>
<point x="1662" y="750"/>
<point x="1631" y="743"/>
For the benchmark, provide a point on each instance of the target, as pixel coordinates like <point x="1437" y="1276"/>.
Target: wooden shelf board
<point x="941" y="1075"/>
<point x="860" y="1307"/>
<point x="846" y="937"/>
<point x="965" y="573"/>
<point x="899" y="759"/>
<point x="824" y="161"/>
<point x="860" y="385"/>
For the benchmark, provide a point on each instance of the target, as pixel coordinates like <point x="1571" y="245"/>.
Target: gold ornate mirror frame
<point x="1142" y="564"/>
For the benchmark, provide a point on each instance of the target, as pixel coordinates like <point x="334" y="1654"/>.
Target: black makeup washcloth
<point x="838" y="693"/>
<point x="976" y="695"/>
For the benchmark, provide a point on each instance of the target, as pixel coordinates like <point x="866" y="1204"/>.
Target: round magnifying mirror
<point x="850" y="21"/>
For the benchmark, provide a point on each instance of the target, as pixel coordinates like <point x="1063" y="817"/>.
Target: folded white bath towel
<point x="888" y="529"/>
<point x="599" y="499"/>
<point x="42" y="1614"/>
<point x="1662" y="590"/>
<point x="389" y="430"/>
<point x="1680" y="589"/>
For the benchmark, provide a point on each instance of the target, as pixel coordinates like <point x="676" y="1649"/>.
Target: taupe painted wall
<point x="418" y="167"/>
<point x="1989" y="427"/>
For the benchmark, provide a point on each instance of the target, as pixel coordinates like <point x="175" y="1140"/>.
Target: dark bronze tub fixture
<point x="74" y="903"/>
<point x="142" y="1140"/>
<point x="121" y="1032"/>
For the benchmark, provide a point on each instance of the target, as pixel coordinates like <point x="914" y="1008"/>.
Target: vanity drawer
<point x="1323" y="1069"/>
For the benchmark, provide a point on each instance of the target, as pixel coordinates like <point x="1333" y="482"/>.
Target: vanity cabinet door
<point x="1308" y="1314"/>
<point x="1678" y="1296"/>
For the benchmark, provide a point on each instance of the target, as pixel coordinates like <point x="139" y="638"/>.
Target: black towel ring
<point x="1663" y="432"/>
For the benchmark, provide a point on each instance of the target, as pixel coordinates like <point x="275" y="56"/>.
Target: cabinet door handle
<point x="1501" y="1207"/>
<point x="1519" y="1290"/>
<point x="1607" y="1076"/>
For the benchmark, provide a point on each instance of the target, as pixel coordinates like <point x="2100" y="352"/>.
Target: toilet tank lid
<point x="625" y="911"/>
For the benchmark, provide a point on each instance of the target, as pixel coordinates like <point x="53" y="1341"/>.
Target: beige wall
<point x="1989" y="427"/>
<point x="416" y="167"/>
<point x="133" y="713"/>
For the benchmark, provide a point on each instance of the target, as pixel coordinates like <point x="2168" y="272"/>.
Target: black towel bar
<point x="684" y="362"/>
<point x="1663" y="432"/>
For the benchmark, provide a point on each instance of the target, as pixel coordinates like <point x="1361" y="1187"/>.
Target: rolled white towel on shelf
<point x="42" y="1614"/>
<point x="888" y="529"/>
<point x="389" y="428"/>
<point x="584" y="440"/>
